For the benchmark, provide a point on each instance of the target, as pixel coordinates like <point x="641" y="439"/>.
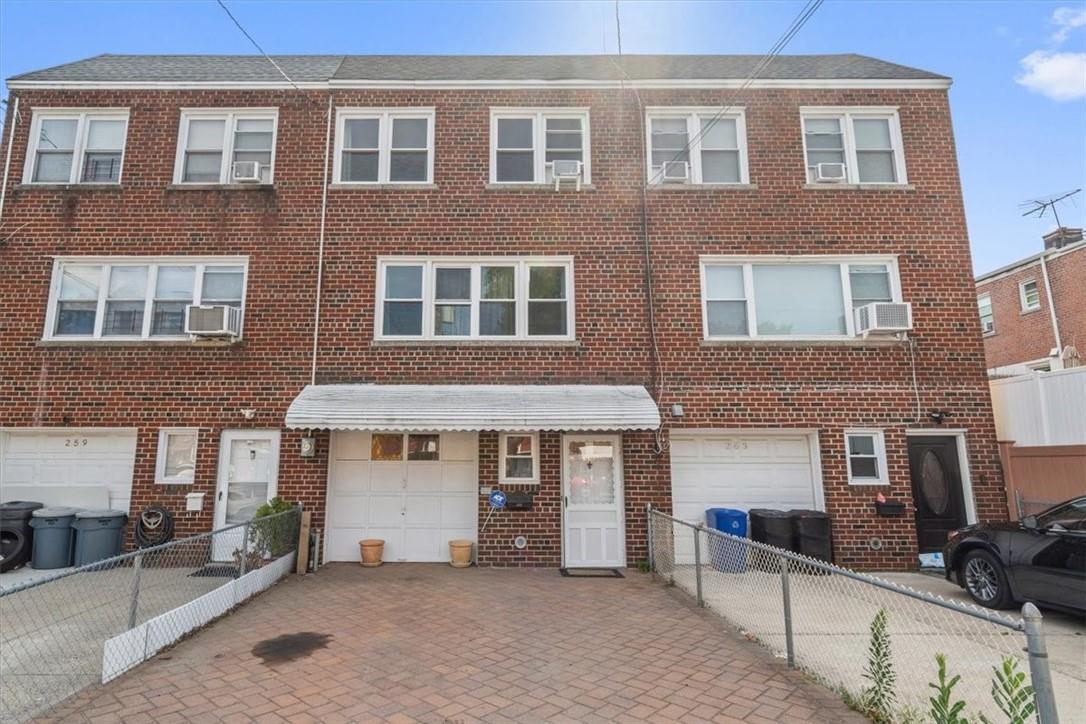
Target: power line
<point x="257" y="45"/>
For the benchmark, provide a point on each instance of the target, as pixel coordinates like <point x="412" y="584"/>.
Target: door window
<point x="248" y="479"/>
<point x="933" y="483"/>
<point x="591" y="472"/>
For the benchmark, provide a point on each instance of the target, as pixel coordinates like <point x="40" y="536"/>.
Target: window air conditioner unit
<point x="884" y="318"/>
<point x="212" y="320"/>
<point x="830" y="172"/>
<point x="676" y="172"/>
<point x="566" y="170"/>
<point x="246" y="171"/>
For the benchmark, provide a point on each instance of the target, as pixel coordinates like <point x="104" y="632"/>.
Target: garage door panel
<point x="348" y="511"/>
<point x="458" y="446"/>
<point x="352" y="477"/>
<point x="424" y="477"/>
<point x="788" y="448"/>
<point x="458" y="478"/>
<point x="386" y="477"/>
<point x="684" y="447"/>
<point x="422" y="544"/>
<point x="385" y="510"/>
<point x="343" y="544"/>
<point x="454" y="511"/>
<point x="352" y="446"/>
<point x="423" y="510"/>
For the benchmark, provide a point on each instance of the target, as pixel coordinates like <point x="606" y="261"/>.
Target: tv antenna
<point x="1038" y="207"/>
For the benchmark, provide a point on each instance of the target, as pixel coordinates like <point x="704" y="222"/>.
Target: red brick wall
<point x="1027" y="336"/>
<point x="737" y="386"/>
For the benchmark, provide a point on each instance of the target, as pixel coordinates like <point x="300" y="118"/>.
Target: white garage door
<point x="416" y="494"/>
<point x="721" y="469"/>
<point x="84" y="468"/>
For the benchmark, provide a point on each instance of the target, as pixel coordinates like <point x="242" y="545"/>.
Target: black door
<point x="937" y="489"/>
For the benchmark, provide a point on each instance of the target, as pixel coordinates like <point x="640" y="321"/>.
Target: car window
<point x="1071" y="516"/>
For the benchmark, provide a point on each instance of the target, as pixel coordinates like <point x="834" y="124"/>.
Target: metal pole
<point x="786" y="592"/>
<point x="697" y="564"/>
<point x="651" y="557"/>
<point x="134" y="604"/>
<point x="1040" y="676"/>
<point x="244" y="550"/>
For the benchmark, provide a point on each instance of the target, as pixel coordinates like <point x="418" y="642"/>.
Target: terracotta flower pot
<point x="460" y="553"/>
<point x="371" y="549"/>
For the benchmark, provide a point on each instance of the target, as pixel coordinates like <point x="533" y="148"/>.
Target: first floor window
<point x="526" y="143"/>
<point x="71" y="147"/>
<point x="699" y="146"/>
<point x="853" y="146"/>
<point x="1030" y="295"/>
<point x="129" y="298"/>
<point x="800" y="297"/>
<point x="987" y="317"/>
<point x="176" y="456"/>
<point x="519" y="458"/>
<point x="465" y="299"/>
<point x="384" y="146"/>
<point x="220" y="147"/>
<point x="866" y="455"/>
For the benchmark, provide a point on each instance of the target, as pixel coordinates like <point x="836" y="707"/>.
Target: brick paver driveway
<point x="429" y="643"/>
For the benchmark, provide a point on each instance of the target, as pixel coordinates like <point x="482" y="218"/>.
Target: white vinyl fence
<point x="1042" y="408"/>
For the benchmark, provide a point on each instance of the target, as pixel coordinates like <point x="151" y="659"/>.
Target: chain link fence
<point x="59" y="635"/>
<point x="818" y="617"/>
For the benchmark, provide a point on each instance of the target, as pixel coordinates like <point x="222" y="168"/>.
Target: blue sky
<point x="1019" y="98"/>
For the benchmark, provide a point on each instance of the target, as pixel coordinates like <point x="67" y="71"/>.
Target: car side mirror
<point x="1030" y="522"/>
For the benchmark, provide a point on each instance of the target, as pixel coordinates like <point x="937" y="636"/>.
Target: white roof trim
<point x="472" y="408"/>
<point x="452" y="84"/>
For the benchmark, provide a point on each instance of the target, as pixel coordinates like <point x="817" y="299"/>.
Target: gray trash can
<point x="54" y="539"/>
<point x="99" y="534"/>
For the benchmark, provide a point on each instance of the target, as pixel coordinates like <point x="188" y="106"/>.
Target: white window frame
<point x="164" y="435"/>
<point x="385" y="117"/>
<point x="539" y="117"/>
<point x="152" y="264"/>
<point x="1023" y="296"/>
<point x="748" y="263"/>
<point x="502" y="478"/>
<point x="848" y="114"/>
<point x="989" y="326"/>
<point x="693" y="116"/>
<point x="82" y="116"/>
<point x="879" y="456"/>
<point x="231" y="116"/>
<point x="523" y="266"/>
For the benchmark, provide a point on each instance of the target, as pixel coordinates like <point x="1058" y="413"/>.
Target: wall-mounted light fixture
<point x="937" y="416"/>
<point x="248" y="413"/>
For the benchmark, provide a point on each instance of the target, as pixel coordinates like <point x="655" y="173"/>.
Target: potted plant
<point x="460" y="553"/>
<point x="371" y="549"/>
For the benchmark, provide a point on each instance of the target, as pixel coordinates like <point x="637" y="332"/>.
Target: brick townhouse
<point x="365" y="290"/>
<point x="1033" y="312"/>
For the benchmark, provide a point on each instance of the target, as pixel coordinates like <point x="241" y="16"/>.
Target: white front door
<point x="593" y="530"/>
<point x="248" y="476"/>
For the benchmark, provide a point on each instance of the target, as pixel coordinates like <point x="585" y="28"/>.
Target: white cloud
<point x="1066" y="20"/>
<point x="1059" y="76"/>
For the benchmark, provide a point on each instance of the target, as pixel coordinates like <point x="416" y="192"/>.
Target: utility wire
<point x="257" y="45"/>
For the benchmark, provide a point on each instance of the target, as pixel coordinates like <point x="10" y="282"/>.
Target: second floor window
<point x="793" y="298"/>
<point x="223" y="147"/>
<point x="987" y="317"/>
<point x="72" y="147"/>
<point x="696" y="147"/>
<point x="126" y="298"/>
<point x="856" y="146"/>
<point x="1029" y="294"/>
<point x="525" y="143"/>
<point x="376" y="146"/>
<point x="501" y="298"/>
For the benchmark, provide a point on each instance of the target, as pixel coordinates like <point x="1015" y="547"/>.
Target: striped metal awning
<point x="513" y="408"/>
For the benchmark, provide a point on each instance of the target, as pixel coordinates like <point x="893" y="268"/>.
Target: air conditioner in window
<point x="884" y="318"/>
<point x="212" y="320"/>
<point x="566" y="170"/>
<point x="676" y="172"/>
<point x="829" y="173"/>
<point x="246" y="171"/>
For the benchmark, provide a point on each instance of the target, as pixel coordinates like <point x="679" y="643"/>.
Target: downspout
<point x="1052" y="308"/>
<point x="320" y="243"/>
<point x="7" y="159"/>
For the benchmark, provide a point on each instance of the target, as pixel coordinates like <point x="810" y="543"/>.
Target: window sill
<point x="383" y="187"/>
<point x="475" y="343"/>
<point x="702" y="187"/>
<point x="78" y="188"/>
<point x="138" y="343"/>
<point x="871" y="484"/>
<point x="221" y="187"/>
<point x="793" y="343"/>
<point x="859" y="187"/>
<point x="986" y="335"/>
<point x="537" y="187"/>
<point x="1024" y="312"/>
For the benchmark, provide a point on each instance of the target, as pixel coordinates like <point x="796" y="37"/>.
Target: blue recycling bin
<point x="725" y="554"/>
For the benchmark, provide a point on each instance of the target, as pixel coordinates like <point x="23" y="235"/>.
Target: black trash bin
<point x="16" y="535"/>
<point x="774" y="528"/>
<point x="54" y="539"/>
<point x="813" y="534"/>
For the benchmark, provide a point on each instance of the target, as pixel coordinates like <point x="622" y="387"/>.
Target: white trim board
<point x="963" y="463"/>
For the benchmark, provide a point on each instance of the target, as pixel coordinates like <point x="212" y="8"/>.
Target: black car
<point x="1041" y="558"/>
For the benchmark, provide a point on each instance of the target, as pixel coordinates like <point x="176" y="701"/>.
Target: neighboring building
<point x="1033" y="312"/>
<point x="440" y="320"/>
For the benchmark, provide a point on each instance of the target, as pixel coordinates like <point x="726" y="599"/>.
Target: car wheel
<point x="985" y="580"/>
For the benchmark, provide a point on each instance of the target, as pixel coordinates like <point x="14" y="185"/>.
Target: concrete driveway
<point x="414" y="642"/>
